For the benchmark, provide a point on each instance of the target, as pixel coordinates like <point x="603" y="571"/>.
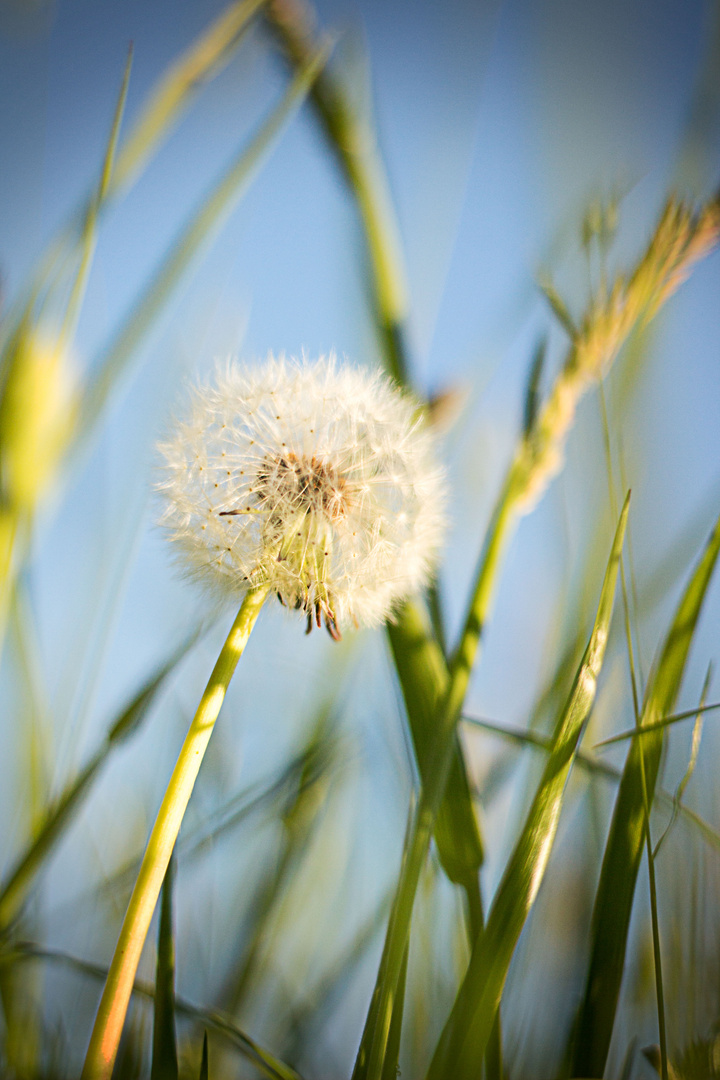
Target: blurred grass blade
<point x="391" y="1068"/>
<point x="666" y="721"/>
<point x="266" y="1063"/>
<point x="352" y="140"/>
<point x="423" y="675"/>
<point x="687" y="775"/>
<point x="532" y="390"/>
<point x="204" y="1063"/>
<point x="88" y="237"/>
<point x="460" y="1051"/>
<point x="198" y="232"/>
<point x="164" y="1052"/>
<point x="303" y="804"/>
<point x="558" y="307"/>
<point x="623" y="851"/>
<point x="596" y="767"/>
<point x="205" y="58"/>
<point x="14" y="891"/>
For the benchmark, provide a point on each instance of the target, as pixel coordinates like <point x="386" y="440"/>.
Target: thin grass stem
<point x="110" y="1017"/>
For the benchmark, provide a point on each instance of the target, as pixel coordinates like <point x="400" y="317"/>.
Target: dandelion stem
<point x="118" y="987"/>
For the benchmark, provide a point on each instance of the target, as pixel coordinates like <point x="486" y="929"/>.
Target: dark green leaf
<point x="204" y="1066"/>
<point x="164" y="1057"/>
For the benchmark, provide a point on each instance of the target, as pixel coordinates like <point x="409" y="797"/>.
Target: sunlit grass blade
<point x="623" y="851"/>
<point x="17" y="885"/>
<point x="110" y="1017"/>
<point x="203" y="59"/>
<point x="164" y="1053"/>
<point x="460" y="1051"/>
<point x="268" y="1064"/>
<point x="198" y="232"/>
<point x="88" y="236"/>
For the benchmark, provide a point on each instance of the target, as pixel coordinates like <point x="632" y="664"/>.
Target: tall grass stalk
<point x="110" y="1018"/>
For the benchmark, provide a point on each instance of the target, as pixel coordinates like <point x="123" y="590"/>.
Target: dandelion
<point x="319" y="481"/>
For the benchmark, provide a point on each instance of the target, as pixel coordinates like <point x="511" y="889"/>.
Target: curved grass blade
<point x="164" y="1054"/>
<point x="198" y="232"/>
<point x="266" y="1063"/>
<point x="460" y="1051"/>
<point x="613" y="902"/>
<point x="15" y="889"/>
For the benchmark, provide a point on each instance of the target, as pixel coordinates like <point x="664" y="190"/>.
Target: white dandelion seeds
<point x="318" y="480"/>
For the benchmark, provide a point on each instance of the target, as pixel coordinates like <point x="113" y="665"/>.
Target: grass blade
<point x="88" y="236"/>
<point x="164" y="1055"/>
<point x="623" y="851"/>
<point x="266" y="1063"/>
<point x="423" y="675"/>
<point x="464" y="1040"/>
<point x="199" y="230"/>
<point x="352" y="141"/>
<point x="658" y="725"/>
<point x="205" y="58"/>
<point x="14" y="891"/>
<point x="204" y="1063"/>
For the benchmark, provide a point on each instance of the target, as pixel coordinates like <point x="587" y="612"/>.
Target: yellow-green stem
<point x="118" y="987"/>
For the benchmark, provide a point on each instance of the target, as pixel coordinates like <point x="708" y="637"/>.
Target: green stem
<point x="118" y="987"/>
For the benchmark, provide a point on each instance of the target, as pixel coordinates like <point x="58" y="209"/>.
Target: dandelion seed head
<point x="316" y="479"/>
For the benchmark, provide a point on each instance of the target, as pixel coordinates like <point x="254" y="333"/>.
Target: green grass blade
<point x="422" y="672"/>
<point x="462" y="1045"/>
<point x="301" y="807"/>
<point x="266" y="1063"/>
<point x="596" y="767"/>
<point x="88" y="235"/>
<point x="391" y="1068"/>
<point x="164" y="1053"/>
<point x="198" y="232"/>
<point x="658" y="725"/>
<point x="623" y="851"/>
<point x="16" y="887"/>
<point x="205" y="58"/>
<point x="352" y="141"/>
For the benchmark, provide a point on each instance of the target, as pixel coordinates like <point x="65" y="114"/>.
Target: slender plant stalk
<point x="352" y="141"/>
<point x="657" y="953"/>
<point x="110" y="1017"/>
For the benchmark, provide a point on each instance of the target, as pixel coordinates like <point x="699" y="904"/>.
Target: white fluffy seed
<point x="317" y="479"/>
